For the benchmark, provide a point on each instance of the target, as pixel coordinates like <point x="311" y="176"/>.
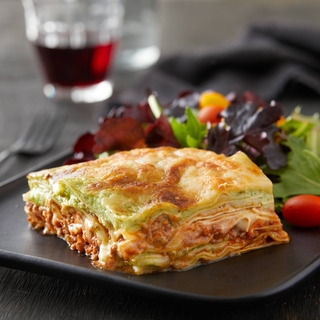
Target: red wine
<point x="71" y="67"/>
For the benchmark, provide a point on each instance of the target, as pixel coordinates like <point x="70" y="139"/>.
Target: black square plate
<point x="252" y="276"/>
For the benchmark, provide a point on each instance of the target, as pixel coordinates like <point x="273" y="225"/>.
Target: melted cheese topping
<point x="129" y="186"/>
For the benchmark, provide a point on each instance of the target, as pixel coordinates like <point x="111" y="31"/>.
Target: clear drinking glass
<point x="76" y="42"/>
<point x="139" y="47"/>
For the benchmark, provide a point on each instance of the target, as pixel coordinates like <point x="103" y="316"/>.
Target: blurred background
<point x="185" y="25"/>
<point x="222" y="20"/>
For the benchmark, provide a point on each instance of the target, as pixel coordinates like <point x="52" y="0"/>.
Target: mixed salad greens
<point x="286" y="149"/>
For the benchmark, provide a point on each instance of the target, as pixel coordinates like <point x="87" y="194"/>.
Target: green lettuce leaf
<point x="190" y="133"/>
<point x="300" y="125"/>
<point x="301" y="175"/>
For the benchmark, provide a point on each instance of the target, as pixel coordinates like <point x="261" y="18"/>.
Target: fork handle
<point x="5" y="154"/>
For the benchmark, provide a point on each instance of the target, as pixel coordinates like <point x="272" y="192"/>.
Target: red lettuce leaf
<point x="252" y="129"/>
<point x="160" y="133"/>
<point x="119" y="134"/>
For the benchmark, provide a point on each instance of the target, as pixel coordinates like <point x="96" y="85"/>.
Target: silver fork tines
<point x="38" y="138"/>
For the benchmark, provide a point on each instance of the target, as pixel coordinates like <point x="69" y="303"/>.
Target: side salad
<point x="287" y="149"/>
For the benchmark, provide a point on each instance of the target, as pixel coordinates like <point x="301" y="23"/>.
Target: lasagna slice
<point x="154" y="210"/>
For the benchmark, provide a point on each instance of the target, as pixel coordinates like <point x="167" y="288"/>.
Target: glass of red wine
<point x="75" y="42"/>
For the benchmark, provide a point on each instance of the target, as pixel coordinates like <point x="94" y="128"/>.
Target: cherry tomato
<point x="209" y="98"/>
<point x="281" y="121"/>
<point x="210" y="114"/>
<point x="302" y="210"/>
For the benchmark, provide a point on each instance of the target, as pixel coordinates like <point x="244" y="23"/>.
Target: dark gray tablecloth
<point x="271" y="58"/>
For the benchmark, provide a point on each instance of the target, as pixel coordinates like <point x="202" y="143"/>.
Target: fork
<point x="38" y="138"/>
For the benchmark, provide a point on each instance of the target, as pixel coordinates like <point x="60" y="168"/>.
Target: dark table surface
<point x="185" y="24"/>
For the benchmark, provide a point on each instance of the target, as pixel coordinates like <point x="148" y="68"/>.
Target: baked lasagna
<point x="154" y="210"/>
